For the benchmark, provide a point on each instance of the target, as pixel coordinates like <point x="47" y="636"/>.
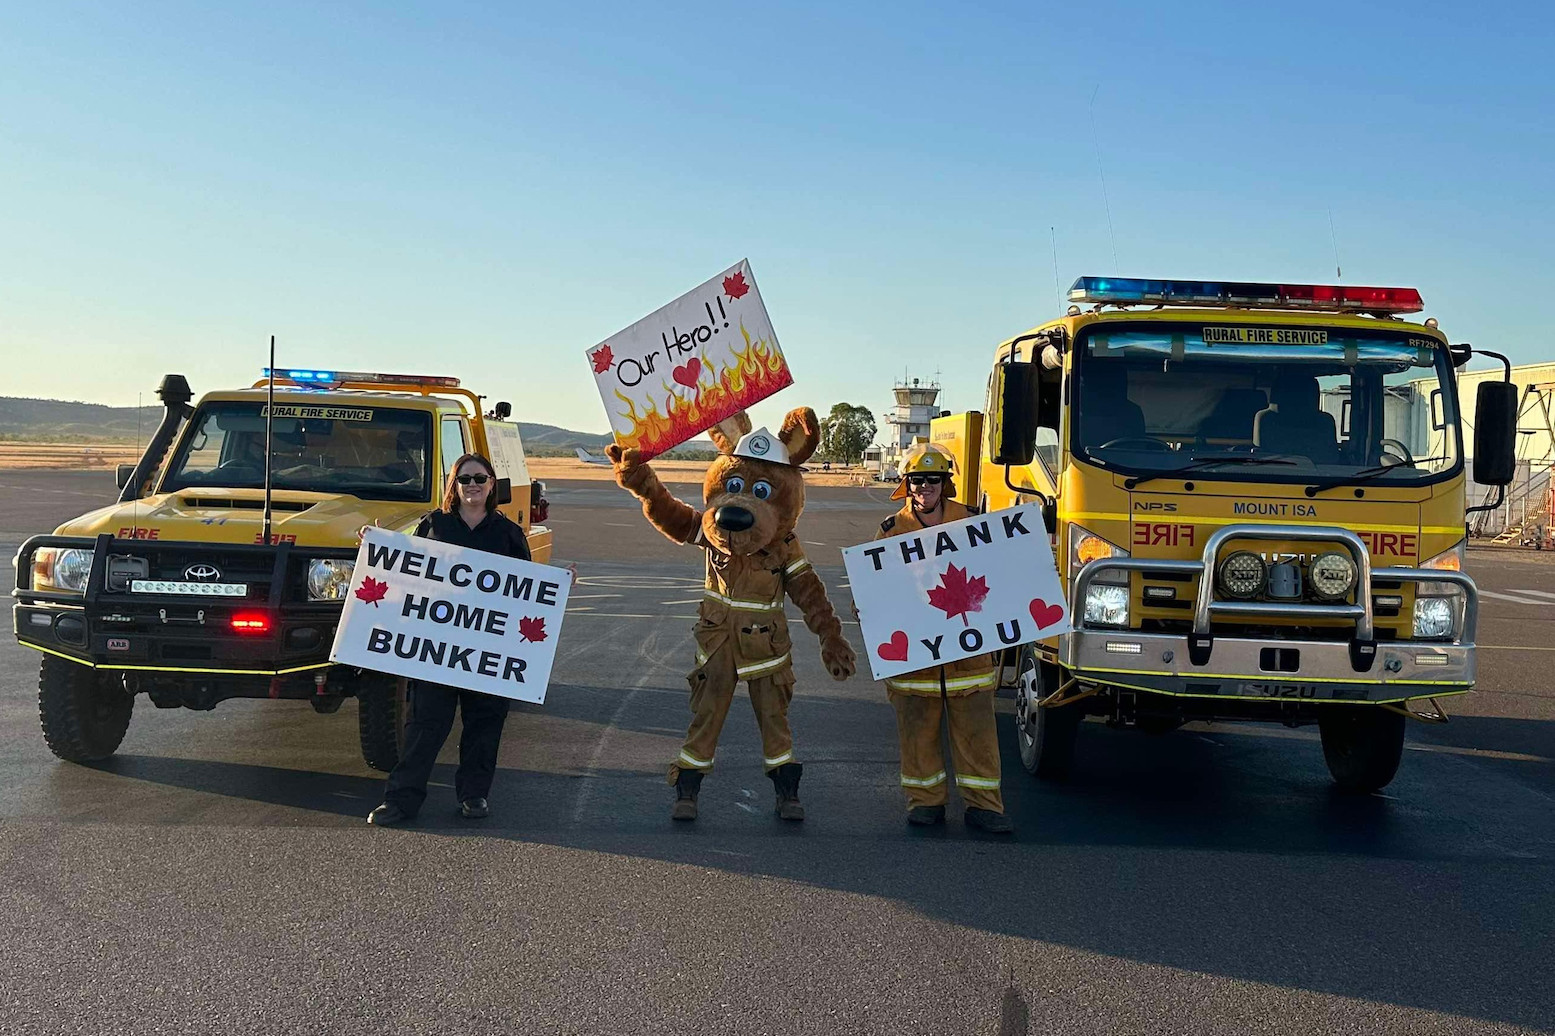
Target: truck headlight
<point x="1332" y="575"/>
<point x="54" y="568"/>
<point x="329" y="578"/>
<point x="1434" y="618"/>
<point x="1106" y="605"/>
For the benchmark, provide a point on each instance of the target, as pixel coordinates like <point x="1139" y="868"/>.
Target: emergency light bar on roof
<point x="320" y="377"/>
<point x="1327" y="297"/>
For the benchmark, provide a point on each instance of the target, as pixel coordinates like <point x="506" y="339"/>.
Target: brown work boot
<point x="785" y="781"/>
<point x="687" y="784"/>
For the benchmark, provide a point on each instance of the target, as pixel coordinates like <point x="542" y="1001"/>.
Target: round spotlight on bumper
<point x="1243" y="575"/>
<point x="1332" y="575"/>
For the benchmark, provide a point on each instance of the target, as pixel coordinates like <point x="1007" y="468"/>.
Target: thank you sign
<point x="956" y="590"/>
<point x="690" y="364"/>
<point x="452" y="615"/>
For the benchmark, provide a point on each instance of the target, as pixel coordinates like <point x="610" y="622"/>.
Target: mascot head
<point x="753" y="493"/>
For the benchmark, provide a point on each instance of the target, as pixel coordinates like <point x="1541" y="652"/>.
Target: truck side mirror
<point x="504" y="491"/>
<point x="502" y="411"/>
<point x="1012" y="422"/>
<point x="1495" y="433"/>
<point x="122" y="475"/>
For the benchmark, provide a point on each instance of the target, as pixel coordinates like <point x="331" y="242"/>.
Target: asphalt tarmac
<point x="216" y="875"/>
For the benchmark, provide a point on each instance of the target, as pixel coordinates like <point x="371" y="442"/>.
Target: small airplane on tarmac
<point x="588" y="458"/>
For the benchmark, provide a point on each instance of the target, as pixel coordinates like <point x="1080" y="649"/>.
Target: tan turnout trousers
<point x="742" y="634"/>
<point x="974" y="747"/>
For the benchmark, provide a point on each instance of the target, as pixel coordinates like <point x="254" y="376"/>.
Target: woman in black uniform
<point x="468" y="518"/>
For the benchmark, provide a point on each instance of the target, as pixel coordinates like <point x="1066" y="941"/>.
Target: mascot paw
<point x="837" y="655"/>
<point x="627" y="462"/>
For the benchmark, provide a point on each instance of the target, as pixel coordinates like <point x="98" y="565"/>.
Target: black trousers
<point x="432" y="708"/>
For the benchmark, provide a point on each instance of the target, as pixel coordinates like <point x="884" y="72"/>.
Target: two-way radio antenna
<point x="269" y="424"/>
<point x="1333" y="237"/>
<point x="1105" y="203"/>
<point x="1058" y="289"/>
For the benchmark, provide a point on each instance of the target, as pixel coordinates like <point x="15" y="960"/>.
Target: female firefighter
<point x="962" y="691"/>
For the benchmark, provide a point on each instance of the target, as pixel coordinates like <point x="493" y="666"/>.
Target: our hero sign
<point x="956" y="590"/>
<point x="690" y="364"/>
<point x="452" y="615"/>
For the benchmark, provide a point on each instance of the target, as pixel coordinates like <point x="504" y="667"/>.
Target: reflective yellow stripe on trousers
<point x="960" y="683"/>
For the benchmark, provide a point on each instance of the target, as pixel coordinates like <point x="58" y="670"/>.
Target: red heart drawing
<point x="895" y="649"/>
<point x="1044" y="614"/>
<point x="690" y="373"/>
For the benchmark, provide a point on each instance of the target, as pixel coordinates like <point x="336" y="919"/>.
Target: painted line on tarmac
<point x="1508" y="597"/>
<point x="1513" y="647"/>
<point x="1536" y="593"/>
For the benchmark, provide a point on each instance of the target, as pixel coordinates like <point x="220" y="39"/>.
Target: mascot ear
<point x="801" y="434"/>
<point x="726" y="433"/>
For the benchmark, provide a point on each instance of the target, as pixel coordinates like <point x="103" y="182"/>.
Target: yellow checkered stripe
<point x="976" y="682"/>
<point x="739" y="605"/>
<point x="923" y="782"/>
<point x="966" y="780"/>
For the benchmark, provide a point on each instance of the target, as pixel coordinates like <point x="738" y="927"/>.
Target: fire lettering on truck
<point x="128" y="533"/>
<point x="1394" y="544"/>
<point x="1163" y="534"/>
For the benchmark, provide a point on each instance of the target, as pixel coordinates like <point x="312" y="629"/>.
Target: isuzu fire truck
<point x="202" y="583"/>
<point x="1247" y="509"/>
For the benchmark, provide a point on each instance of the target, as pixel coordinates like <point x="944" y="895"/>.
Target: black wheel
<point x="1046" y="735"/>
<point x="381" y="711"/>
<point x="84" y="713"/>
<point x="1362" y="745"/>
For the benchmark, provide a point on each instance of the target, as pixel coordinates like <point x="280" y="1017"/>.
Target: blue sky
<point x="488" y="190"/>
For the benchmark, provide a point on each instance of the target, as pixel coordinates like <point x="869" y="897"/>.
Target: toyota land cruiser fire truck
<point x="202" y="583"/>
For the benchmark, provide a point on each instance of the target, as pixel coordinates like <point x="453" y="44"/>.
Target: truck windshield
<point x="1321" y="407"/>
<point x="372" y="452"/>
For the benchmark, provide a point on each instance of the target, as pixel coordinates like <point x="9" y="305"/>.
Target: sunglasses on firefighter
<point x="925" y="480"/>
<point x="479" y="480"/>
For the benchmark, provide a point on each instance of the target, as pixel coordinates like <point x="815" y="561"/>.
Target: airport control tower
<point x="916" y="406"/>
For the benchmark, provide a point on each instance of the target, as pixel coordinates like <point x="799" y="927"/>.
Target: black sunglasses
<point x="479" y="480"/>
<point x="925" y="480"/>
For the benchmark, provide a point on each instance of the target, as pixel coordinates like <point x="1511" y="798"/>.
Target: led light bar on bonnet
<point x="1329" y="297"/>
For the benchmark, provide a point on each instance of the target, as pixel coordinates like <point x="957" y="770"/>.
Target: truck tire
<point x="382" y="711"/>
<point x="84" y="714"/>
<point x="1046" y="735"/>
<point x="1362" y="745"/>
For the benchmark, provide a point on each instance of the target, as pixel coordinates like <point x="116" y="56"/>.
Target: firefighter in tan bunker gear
<point x="753" y="495"/>
<point x="962" y="691"/>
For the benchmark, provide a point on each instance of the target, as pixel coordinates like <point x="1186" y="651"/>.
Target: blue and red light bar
<point x="331" y="378"/>
<point x="1124" y="291"/>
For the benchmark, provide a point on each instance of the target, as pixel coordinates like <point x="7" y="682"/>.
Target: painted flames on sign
<point x="758" y="371"/>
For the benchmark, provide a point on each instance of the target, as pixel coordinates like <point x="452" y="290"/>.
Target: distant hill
<point x="57" y="420"/>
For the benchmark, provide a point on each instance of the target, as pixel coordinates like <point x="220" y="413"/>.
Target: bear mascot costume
<point x="753" y="494"/>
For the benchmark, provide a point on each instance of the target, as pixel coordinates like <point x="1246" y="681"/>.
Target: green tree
<point x="846" y="431"/>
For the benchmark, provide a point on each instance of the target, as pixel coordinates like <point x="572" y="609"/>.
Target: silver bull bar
<point x="1326" y="670"/>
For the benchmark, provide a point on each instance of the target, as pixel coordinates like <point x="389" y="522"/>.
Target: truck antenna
<point x="1105" y="204"/>
<point x="1333" y="237"/>
<point x="269" y="422"/>
<point x="1057" y="288"/>
<point x="139" y="450"/>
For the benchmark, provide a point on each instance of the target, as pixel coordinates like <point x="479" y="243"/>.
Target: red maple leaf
<point x="735" y="287"/>
<point x="372" y="591"/>
<point x="958" y="595"/>
<point x="532" y="630"/>
<point x="602" y="358"/>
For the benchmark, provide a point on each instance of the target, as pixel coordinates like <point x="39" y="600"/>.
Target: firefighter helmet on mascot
<point x="925" y="458"/>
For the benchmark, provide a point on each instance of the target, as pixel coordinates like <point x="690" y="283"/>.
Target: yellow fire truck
<point x="204" y="582"/>
<point x="1246" y="511"/>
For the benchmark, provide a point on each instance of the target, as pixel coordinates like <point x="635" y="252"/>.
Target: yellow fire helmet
<point x="927" y="459"/>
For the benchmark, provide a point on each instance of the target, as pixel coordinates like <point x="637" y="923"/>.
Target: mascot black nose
<point x="733" y="519"/>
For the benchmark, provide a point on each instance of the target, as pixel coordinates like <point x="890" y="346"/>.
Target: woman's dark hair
<point x="451" y="490"/>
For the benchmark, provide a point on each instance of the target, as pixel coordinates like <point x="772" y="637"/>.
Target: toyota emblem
<point x="202" y="573"/>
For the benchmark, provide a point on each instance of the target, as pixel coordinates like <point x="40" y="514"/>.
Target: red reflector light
<point x="251" y="622"/>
